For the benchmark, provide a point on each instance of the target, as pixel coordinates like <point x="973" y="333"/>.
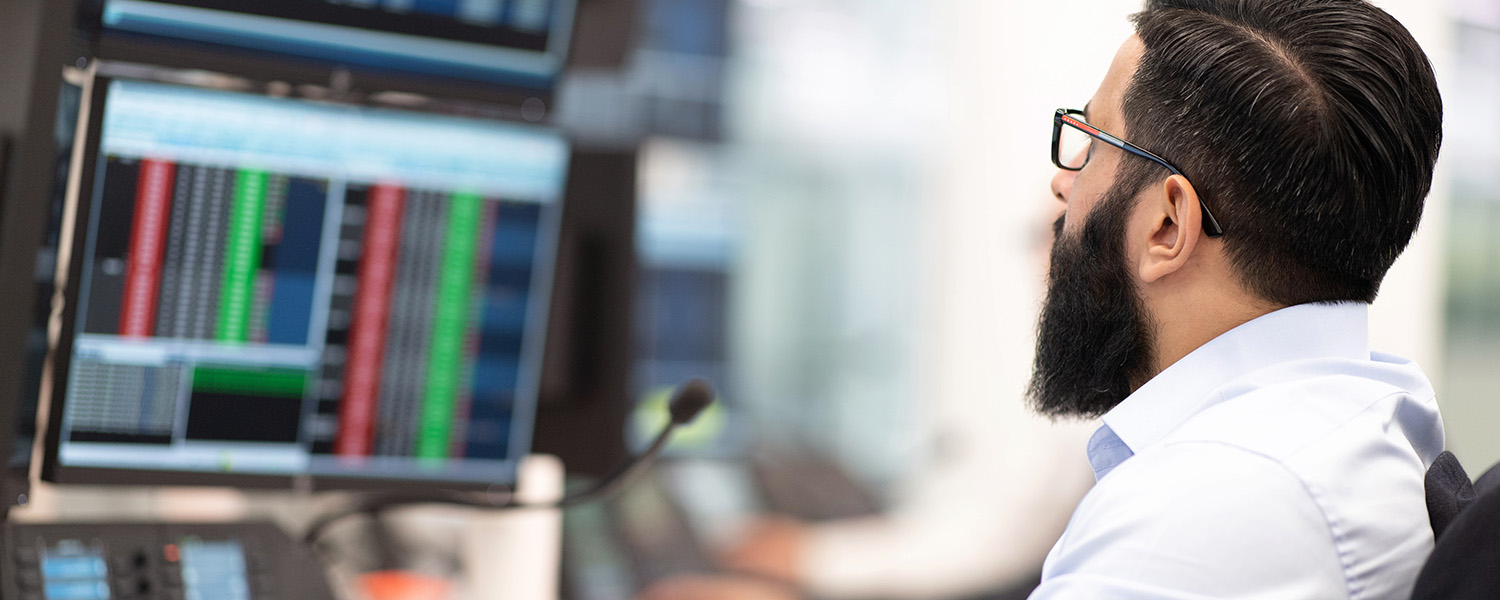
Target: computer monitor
<point x="274" y="291"/>
<point x="499" y="41"/>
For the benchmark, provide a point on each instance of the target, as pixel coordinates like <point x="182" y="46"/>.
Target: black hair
<point x="1309" y="128"/>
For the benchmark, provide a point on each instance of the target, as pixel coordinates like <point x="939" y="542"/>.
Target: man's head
<point x="1308" y="127"/>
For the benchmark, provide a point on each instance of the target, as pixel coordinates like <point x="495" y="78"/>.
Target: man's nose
<point x="1062" y="185"/>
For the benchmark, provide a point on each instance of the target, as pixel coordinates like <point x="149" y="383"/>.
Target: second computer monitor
<point x="269" y="289"/>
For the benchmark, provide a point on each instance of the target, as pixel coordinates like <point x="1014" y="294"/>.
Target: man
<point x="1235" y="191"/>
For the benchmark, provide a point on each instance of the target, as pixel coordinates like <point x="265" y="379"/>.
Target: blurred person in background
<point x="976" y="525"/>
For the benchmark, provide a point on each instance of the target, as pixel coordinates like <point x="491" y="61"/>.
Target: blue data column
<point x="294" y="261"/>
<point x="443" y="8"/>
<point x="502" y="329"/>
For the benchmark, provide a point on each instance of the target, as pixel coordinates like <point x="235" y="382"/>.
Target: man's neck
<point x="1187" y="324"/>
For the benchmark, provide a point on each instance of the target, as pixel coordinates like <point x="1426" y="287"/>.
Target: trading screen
<point x="274" y="286"/>
<point x="516" y="41"/>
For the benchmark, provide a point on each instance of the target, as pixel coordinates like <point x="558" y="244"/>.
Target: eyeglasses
<point x="1073" y="145"/>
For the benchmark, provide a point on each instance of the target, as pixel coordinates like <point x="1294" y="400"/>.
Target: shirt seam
<point x="1334" y="530"/>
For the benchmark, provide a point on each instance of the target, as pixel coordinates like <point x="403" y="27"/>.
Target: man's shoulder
<point x="1218" y="519"/>
<point x="1179" y="479"/>
<point x="1303" y="416"/>
<point x="1206" y="516"/>
<point x="1342" y="439"/>
<point x="1331" y="464"/>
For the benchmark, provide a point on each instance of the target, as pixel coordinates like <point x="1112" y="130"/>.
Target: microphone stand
<point x="687" y="402"/>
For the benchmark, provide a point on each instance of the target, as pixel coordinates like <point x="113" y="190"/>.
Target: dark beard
<point x="1094" y="339"/>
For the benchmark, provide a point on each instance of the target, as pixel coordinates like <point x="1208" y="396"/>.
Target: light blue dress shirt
<point x="1282" y="460"/>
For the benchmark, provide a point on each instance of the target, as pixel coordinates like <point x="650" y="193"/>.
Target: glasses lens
<point x="1073" y="146"/>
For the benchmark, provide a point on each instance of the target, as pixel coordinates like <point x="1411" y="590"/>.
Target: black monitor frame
<point x="82" y="181"/>
<point x="35" y="43"/>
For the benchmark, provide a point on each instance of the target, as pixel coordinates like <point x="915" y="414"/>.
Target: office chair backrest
<point x="1448" y="491"/>
<point x="1465" y="562"/>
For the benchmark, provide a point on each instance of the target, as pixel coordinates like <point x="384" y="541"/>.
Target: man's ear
<point x="1174" y="228"/>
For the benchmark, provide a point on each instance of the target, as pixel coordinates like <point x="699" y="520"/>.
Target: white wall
<point x="1407" y="318"/>
<point x="1012" y="64"/>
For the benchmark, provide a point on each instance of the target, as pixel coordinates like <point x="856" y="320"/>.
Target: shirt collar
<point x="1184" y="388"/>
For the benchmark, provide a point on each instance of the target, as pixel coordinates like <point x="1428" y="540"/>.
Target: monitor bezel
<point x="84" y="170"/>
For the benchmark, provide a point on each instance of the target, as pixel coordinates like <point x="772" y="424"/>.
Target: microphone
<point x="686" y="403"/>
<point x="689" y="400"/>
